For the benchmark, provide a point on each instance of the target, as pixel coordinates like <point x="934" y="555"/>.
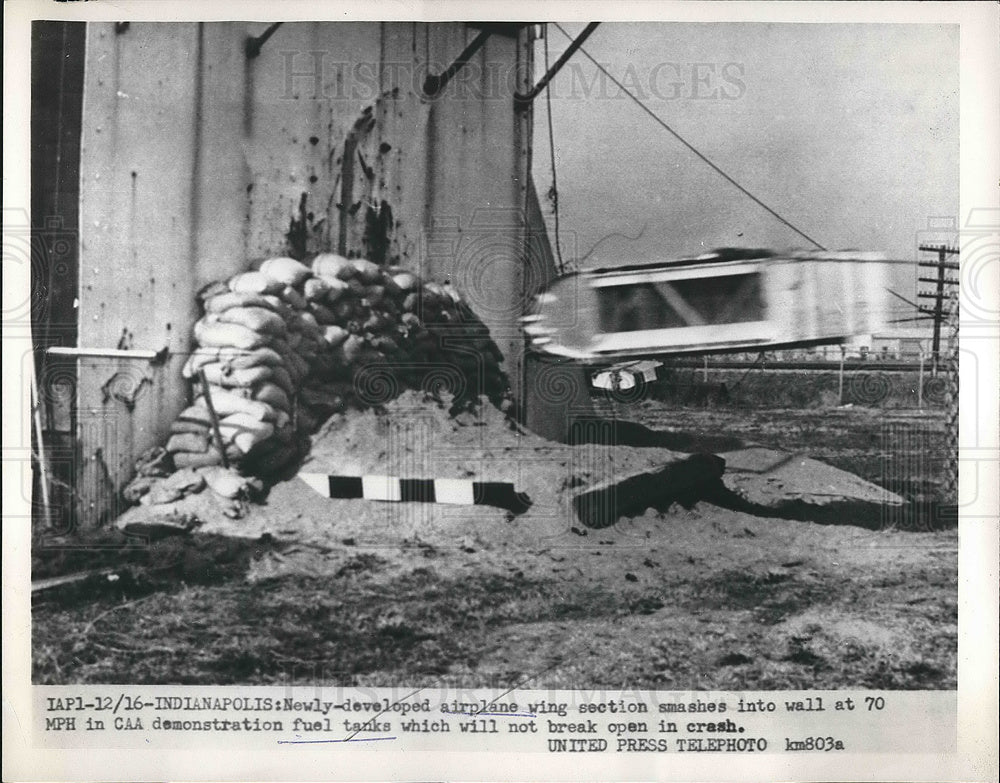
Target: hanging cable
<point x="554" y="190"/>
<point x="613" y="235"/>
<point x="690" y="146"/>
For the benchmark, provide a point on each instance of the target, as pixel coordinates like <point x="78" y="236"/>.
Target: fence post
<point x="840" y="379"/>
<point x="920" y="383"/>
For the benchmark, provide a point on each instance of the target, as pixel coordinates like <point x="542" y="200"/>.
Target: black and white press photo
<point x="590" y="386"/>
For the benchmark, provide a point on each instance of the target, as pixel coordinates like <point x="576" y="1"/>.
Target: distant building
<point x="903" y="343"/>
<point x="898" y="344"/>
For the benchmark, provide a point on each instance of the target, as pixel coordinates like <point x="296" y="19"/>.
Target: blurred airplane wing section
<point x="716" y="303"/>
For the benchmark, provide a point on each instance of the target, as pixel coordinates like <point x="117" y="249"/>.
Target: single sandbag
<point x="283" y="379"/>
<point x="335" y="288"/>
<point x="353" y="348"/>
<point x="244" y="360"/>
<point x="294" y="298"/>
<point x="256" y="318"/>
<point x="385" y="345"/>
<point x="356" y="288"/>
<point x="213" y="456"/>
<point x="240" y="391"/>
<point x="189" y="460"/>
<point x="185" y="481"/>
<point x="138" y="487"/>
<point x="323" y="314"/>
<point x="242" y="422"/>
<point x="219" y="375"/>
<point x="452" y="293"/>
<point x="225" y="301"/>
<point x="243" y="382"/>
<point x="316" y="289"/>
<point x="195" y="414"/>
<point x="310" y="326"/>
<point x="411" y="302"/>
<point x="214" y="288"/>
<point x="335" y="335"/>
<point x="244" y="431"/>
<point x="232" y="399"/>
<point x="198" y="359"/>
<point x="227" y="403"/>
<point x="226" y="335"/>
<point x="411" y="321"/>
<point x="286" y="270"/>
<point x="180" y="426"/>
<point x="406" y="281"/>
<point x="261" y="449"/>
<point x="374" y="295"/>
<point x="255" y="283"/>
<point x="273" y="395"/>
<point x="368" y="272"/>
<point x="188" y="441"/>
<point x="280" y="344"/>
<point x="225" y="482"/>
<point x="434" y="295"/>
<point x="333" y="265"/>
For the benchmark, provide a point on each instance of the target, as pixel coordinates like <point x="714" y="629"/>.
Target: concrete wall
<point x="197" y="159"/>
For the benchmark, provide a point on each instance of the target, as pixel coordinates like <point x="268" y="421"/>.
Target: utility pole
<point x="937" y="312"/>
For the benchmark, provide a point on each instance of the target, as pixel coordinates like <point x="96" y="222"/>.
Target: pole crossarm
<point x="434" y="84"/>
<point x="940" y="249"/>
<point x="523" y="99"/>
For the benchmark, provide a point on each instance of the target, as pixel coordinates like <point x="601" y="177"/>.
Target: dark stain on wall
<point x="378" y="228"/>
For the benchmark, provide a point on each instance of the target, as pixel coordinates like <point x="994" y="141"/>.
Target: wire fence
<point x="763" y="386"/>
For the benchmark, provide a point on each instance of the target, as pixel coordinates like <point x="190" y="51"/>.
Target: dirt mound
<point x="414" y="436"/>
<point x="567" y="488"/>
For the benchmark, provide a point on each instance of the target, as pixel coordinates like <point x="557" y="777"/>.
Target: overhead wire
<point x="690" y="146"/>
<point x="613" y="235"/>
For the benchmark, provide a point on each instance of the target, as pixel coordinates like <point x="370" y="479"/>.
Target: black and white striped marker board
<point x="461" y="492"/>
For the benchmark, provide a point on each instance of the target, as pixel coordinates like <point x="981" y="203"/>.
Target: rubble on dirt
<point x="684" y="482"/>
<point x="769" y="482"/>
<point x="161" y="525"/>
<point x="158" y="483"/>
<point x="418" y="435"/>
<point x="589" y="485"/>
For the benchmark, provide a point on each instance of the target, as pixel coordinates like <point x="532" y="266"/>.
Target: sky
<point x="850" y="132"/>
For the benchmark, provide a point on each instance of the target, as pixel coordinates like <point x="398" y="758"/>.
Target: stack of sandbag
<point x="386" y="330"/>
<point x="254" y="347"/>
<point x="282" y="347"/>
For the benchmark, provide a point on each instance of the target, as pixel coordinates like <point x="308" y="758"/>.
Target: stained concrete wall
<point x="197" y="159"/>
